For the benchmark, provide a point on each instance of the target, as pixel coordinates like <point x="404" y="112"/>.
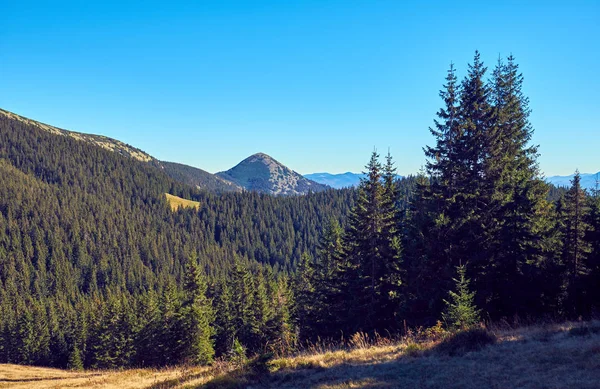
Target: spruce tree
<point x="441" y="206"/>
<point x="169" y="336"/>
<point x="282" y="332"/>
<point x="75" y="361"/>
<point x="390" y="243"/>
<point x="372" y="251"/>
<point x="461" y="312"/>
<point x="593" y="237"/>
<point x="242" y="283"/>
<point x="518" y="223"/>
<point x="329" y="282"/>
<point x="197" y="316"/>
<point x="304" y="302"/>
<point x="224" y="320"/>
<point x="147" y="338"/>
<point x="576" y="248"/>
<point x="485" y="202"/>
<point x="366" y="264"/>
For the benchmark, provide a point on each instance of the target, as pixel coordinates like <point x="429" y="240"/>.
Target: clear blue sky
<point x="315" y="84"/>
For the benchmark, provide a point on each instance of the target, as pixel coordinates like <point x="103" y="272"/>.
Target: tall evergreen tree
<point x="390" y="243"/>
<point x="304" y="302"/>
<point x="371" y="265"/>
<point x="485" y="203"/>
<point x="593" y="237"/>
<point x="197" y="316"/>
<point x="519" y="226"/>
<point x="363" y="251"/>
<point x="330" y="282"/>
<point x="576" y="248"/>
<point x="245" y="319"/>
<point x="224" y="321"/>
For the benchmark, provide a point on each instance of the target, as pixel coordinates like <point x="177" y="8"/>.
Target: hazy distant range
<point x="349" y="179"/>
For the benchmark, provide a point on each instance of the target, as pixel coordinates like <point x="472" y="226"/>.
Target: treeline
<point x="191" y="323"/>
<point x="481" y="213"/>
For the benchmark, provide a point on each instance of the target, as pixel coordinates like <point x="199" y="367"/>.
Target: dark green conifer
<point x="197" y="316"/>
<point x="593" y="237"/>
<point x="576" y="248"/>
<point x="75" y="361"/>
<point x="461" y="312"/>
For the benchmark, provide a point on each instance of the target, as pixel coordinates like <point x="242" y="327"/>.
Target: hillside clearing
<point x="177" y="202"/>
<point x="550" y="356"/>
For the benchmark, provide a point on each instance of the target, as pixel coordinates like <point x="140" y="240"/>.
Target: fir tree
<point x="329" y="282"/>
<point x="593" y="237"/>
<point x="461" y="312"/>
<point x="75" y="361"/>
<point x="518" y="222"/>
<point x="283" y="331"/>
<point x="392" y="281"/>
<point x="304" y="302"/>
<point x="224" y="320"/>
<point x="576" y="248"/>
<point x="147" y="339"/>
<point x="197" y="316"/>
<point x="365" y="264"/>
<point x="371" y="267"/>
<point x="245" y="319"/>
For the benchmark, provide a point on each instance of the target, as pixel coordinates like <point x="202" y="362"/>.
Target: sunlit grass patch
<point x="177" y="202"/>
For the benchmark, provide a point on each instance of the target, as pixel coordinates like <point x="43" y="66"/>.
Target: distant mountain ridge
<point x="338" y="181"/>
<point x="588" y="180"/>
<point x="262" y="173"/>
<point x="349" y="179"/>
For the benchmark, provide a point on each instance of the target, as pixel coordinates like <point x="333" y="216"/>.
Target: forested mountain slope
<point x="198" y="178"/>
<point x="112" y="208"/>
<point x="87" y="237"/>
<point x="188" y="175"/>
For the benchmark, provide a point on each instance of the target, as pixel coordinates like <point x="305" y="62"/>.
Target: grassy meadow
<point x="175" y="202"/>
<point x="565" y="355"/>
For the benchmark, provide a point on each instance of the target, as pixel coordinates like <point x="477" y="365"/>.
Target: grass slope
<point x="177" y="202"/>
<point x="550" y="356"/>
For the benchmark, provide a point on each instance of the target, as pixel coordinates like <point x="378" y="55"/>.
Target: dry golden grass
<point x="177" y="202"/>
<point x="563" y="355"/>
<point x="26" y="377"/>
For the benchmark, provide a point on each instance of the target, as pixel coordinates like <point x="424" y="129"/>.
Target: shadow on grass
<point x="346" y="375"/>
<point x="411" y="369"/>
<point x="35" y="379"/>
<point x="462" y="342"/>
<point x="175" y="382"/>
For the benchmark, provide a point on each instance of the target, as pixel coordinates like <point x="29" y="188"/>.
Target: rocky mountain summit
<point x="264" y="174"/>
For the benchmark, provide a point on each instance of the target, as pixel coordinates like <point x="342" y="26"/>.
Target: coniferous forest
<point x="97" y="271"/>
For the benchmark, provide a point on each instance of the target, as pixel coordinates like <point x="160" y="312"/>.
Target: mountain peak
<point x="260" y="155"/>
<point x="262" y="173"/>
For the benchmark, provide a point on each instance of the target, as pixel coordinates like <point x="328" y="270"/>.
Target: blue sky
<point x="315" y="84"/>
